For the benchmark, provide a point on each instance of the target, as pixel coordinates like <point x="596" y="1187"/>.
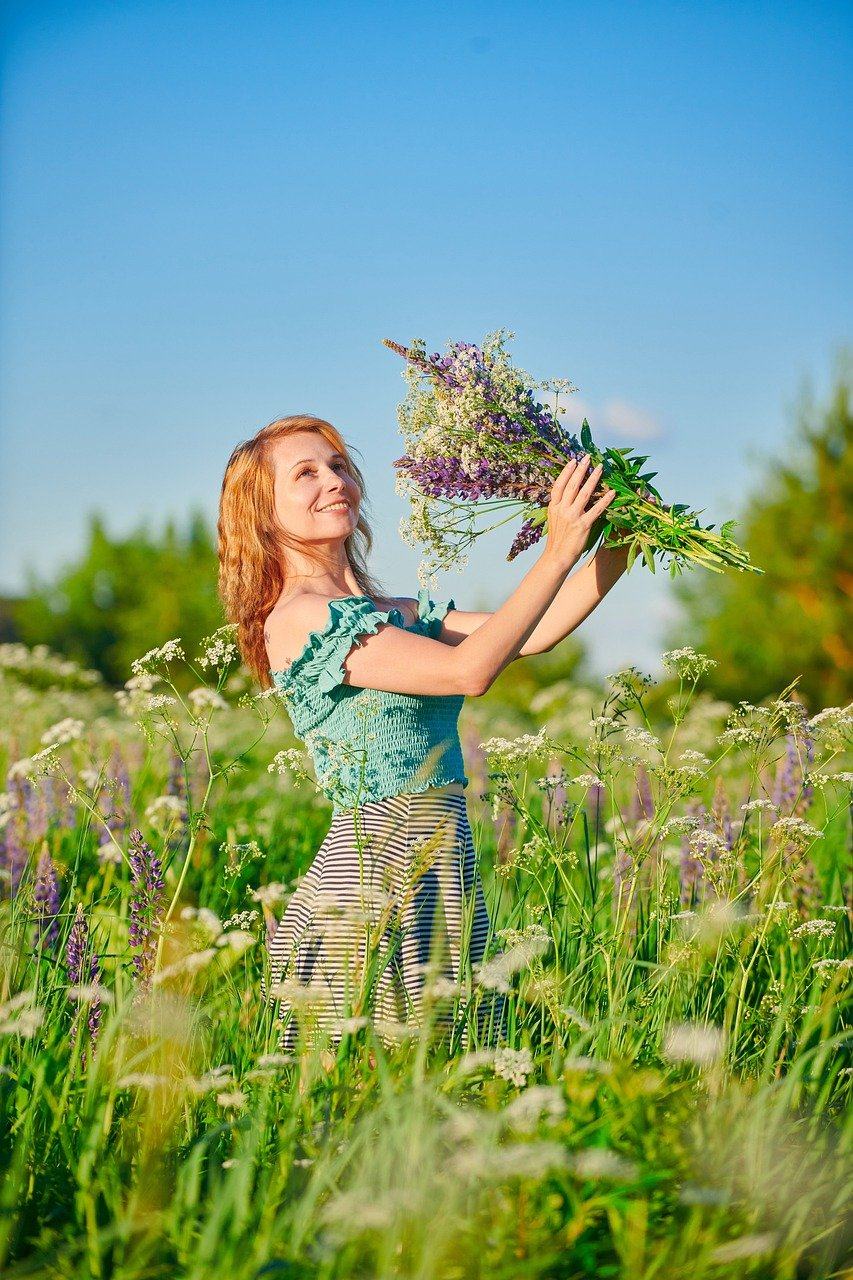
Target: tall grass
<point x="671" y="899"/>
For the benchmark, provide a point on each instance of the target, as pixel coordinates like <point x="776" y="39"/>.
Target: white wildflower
<point x="269" y="895"/>
<point x="21" y="1016"/>
<point x="494" y="974"/>
<point x="795" y="831"/>
<point x="171" y="651"/>
<point x="65" y="731"/>
<point x="206" y="699"/>
<point x="219" y="650"/>
<point x="693" y="1042"/>
<point x="514" y="1065"/>
<point x="291" y="760"/>
<point x="601" y="1162"/>
<point x="527" y="1108"/>
<point x="508" y="753"/>
<point x="822" y="929"/>
<point x="163" y="812"/>
<point x="587" y="780"/>
<point x="686" y="663"/>
<point x="188" y="964"/>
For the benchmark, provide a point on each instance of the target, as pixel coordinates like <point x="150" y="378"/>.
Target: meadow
<point x="669" y="880"/>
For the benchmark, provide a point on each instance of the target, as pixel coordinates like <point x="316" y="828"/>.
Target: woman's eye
<point x="305" y="470"/>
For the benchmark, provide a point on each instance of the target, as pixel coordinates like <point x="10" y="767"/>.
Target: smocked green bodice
<point x="367" y="744"/>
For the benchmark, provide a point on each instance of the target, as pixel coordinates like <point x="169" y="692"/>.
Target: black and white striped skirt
<point x="388" y="924"/>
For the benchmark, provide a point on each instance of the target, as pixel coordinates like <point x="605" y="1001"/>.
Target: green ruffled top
<point x="367" y="744"/>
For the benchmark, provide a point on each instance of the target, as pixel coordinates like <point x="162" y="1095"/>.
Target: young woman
<point x="374" y="685"/>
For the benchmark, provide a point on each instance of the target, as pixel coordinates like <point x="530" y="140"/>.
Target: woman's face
<point x="311" y="483"/>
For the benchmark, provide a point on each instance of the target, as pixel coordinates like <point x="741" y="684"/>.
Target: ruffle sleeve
<point x="431" y="613"/>
<point x="322" y="659"/>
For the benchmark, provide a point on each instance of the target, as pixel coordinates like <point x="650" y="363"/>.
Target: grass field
<point x="669" y="880"/>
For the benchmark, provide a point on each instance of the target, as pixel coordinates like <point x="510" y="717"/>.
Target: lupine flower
<point x="46" y="901"/>
<point x="76" y="966"/>
<point x="793" y="792"/>
<point x="691" y="874"/>
<point x="479" y="442"/>
<point x="13" y="852"/>
<point x="146" y="904"/>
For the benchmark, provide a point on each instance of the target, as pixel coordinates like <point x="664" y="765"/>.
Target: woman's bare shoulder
<point x="287" y="626"/>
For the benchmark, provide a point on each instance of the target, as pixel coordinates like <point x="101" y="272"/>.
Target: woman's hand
<point x="569" y="520"/>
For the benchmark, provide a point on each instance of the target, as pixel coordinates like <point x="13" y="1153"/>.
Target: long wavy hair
<point x="252" y="541"/>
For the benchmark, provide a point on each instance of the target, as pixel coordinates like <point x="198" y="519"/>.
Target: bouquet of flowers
<point x="478" y="442"/>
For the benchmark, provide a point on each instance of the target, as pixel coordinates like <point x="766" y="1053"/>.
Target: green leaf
<point x="648" y="556"/>
<point x="586" y="436"/>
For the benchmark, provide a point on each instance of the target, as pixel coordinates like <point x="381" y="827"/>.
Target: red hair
<point x="252" y="540"/>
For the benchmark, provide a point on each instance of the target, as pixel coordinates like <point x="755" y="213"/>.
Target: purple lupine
<point x="691" y="873"/>
<point x="35" y="810"/>
<point x="146" y="904"/>
<point x="93" y="1022"/>
<point x="75" y="947"/>
<point x="792" y="792"/>
<point x="13" y="852"/>
<point x="46" y="901"/>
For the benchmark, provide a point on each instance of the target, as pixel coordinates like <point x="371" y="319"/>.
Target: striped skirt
<point x="388" y="923"/>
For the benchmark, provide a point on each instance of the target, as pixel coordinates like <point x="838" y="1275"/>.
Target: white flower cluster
<point x="269" y="895"/>
<point x="21" y="1016"/>
<point x="36" y="766"/>
<point x="204" y="698"/>
<point x="65" y="731"/>
<point x="686" y="663"/>
<point x="680" y="825"/>
<point x="514" y="1065"/>
<point x="509" y="753"/>
<point x="821" y="929"/>
<point x="17" y="659"/>
<point x="171" y="651"/>
<point x="693" y="1042"/>
<point x="219" y="650"/>
<point x="163" y="812"/>
<point x="291" y="760"/>
<point x="642" y="738"/>
<point x="758" y="806"/>
<point x="495" y="974"/>
<point x="587" y="780"/>
<point x="833" y="726"/>
<point x="795" y="831"/>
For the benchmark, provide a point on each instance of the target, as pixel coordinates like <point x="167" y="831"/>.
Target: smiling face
<point x="316" y="498"/>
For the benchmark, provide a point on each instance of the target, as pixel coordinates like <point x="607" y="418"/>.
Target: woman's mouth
<point x="336" y="506"/>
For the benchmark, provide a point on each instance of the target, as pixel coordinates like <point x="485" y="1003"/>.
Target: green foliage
<point x="796" y="619"/>
<point x="124" y="596"/>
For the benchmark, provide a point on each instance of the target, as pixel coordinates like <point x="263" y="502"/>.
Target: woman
<point x="391" y="911"/>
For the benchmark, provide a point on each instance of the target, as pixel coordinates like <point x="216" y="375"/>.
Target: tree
<point x="125" y="596"/>
<point x="796" y="619"/>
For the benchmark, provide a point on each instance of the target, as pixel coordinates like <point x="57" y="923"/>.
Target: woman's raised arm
<point x="401" y="662"/>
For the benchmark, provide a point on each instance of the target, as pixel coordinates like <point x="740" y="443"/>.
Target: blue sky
<point x="214" y="212"/>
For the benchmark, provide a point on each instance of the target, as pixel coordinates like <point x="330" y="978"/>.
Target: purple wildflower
<point x="75" y="962"/>
<point x="13" y="851"/>
<point x="146" y="904"/>
<point x="792" y="792"/>
<point x="94" y="1019"/>
<point x="691" y="873"/>
<point x="46" y="901"/>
